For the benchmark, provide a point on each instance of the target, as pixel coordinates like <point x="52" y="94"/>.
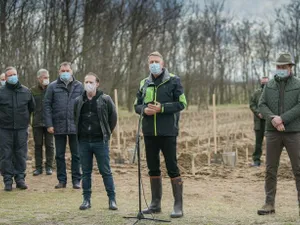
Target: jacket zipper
<point x="105" y="138"/>
<point x="155" y="94"/>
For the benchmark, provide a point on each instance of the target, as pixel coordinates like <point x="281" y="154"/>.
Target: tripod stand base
<point x="140" y="216"/>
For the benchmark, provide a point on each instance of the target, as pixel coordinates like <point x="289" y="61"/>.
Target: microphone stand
<point x="140" y="215"/>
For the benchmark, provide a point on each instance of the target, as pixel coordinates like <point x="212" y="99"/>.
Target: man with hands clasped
<point x="280" y="106"/>
<point x="160" y="99"/>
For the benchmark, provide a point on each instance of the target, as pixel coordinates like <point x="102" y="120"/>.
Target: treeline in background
<point x="211" y="49"/>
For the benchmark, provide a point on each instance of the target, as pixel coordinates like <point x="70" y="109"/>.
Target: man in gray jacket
<point x="16" y="105"/>
<point x="59" y="120"/>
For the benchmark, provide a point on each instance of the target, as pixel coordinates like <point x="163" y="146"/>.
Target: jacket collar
<point x="165" y="73"/>
<point x="40" y="86"/>
<point x="60" y="82"/>
<point x="13" y="86"/>
<point x="291" y="83"/>
<point x="98" y="94"/>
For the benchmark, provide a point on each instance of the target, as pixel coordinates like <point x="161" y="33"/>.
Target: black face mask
<point x="262" y="85"/>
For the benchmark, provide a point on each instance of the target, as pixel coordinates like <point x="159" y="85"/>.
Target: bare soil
<point x="215" y="195"/>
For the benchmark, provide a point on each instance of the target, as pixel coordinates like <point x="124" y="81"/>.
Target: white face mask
<point x="90" y="87"/>
<point x="46" y="82"/>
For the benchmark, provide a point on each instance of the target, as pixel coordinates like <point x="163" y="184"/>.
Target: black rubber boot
<point x="156" y="192"/>
<point x="177" y="193"/>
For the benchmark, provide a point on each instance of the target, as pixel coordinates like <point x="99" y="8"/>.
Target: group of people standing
<point x="67" y="110"/>
<point x="55" y="120"/>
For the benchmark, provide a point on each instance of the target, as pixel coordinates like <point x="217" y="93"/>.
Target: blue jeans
<point x="60" y="149"/>
<point x="101" y="151"/>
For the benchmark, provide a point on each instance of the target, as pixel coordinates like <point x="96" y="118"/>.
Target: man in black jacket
<point x="16" y="105"/>
<point x="95" y="118"/>
<point x="40" y="132"/>
<point x="160" y="98"/>
<point x="59" y="119"/>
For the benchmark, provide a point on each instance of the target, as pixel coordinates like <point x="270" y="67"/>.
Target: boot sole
<point x="262" y="213"/>
<point x="22" y="187"/>
<point x="113" y="208"/>
<point x="151" y="211"/>
<point x="84" y="208"/>
<point x="176" y="215"/>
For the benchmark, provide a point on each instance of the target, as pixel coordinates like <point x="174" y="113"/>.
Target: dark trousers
<point x="60" y="148"/>
<point x="259" y="137"/>
<point x="13" y="154"/>
<point x="275" y="142"/>
<point x="101" y="151"/>
<point x="167" y="145"/>
<point x="41" y="136"/>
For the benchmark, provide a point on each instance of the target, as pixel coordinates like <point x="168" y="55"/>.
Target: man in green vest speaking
<point x="160" y="98"/>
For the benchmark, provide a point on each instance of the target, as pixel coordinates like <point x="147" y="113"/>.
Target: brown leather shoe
<point x="60" y="185"/>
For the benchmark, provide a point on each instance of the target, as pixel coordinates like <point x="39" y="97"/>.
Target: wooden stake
<point x="208" y="158"/>
<point x="118" y="126"/>
<point x="124" y="143"/>
<point x="247" y="155"/>
<point x="193" y="164"/>
<point x="215" y="123"/>
<point x="208" y="151"/>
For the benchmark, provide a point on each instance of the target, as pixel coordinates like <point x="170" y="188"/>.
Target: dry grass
<point x="209" y="201"/>
<point x="217" y="195"/>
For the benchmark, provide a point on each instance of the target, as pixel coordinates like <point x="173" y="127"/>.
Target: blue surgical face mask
<point x="65" y="76"/>
<point x="282" y="73"/>
<point x="12" y="79"/>
<point x="2" y="82"/>
<point x="155" y="68"/>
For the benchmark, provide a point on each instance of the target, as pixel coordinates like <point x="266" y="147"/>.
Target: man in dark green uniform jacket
<point x="40" y="134"/>
<point x="259" y="122"/>
<point x="280" y="106"/>
<point x="160" y="99"/>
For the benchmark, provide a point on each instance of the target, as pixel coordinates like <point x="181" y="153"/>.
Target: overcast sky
<point x="254" y="8"/>
<point x="261" y="9"/>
